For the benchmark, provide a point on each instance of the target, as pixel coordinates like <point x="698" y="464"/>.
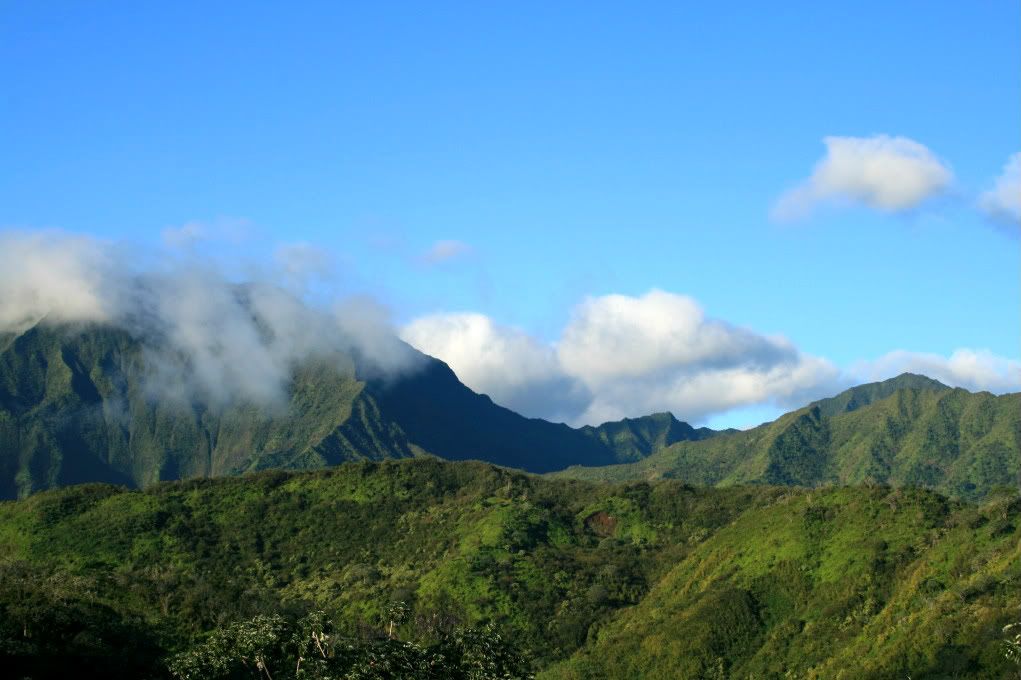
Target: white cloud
<point x="622" y="356"/>
<point x="367" y="329"/>
<point x="625" y="356"/>
<point x="972" y="369"/>
<point x="1003" y="201"/>
<point x="514" y="369"/>
<point x="211" y="339"/>
<point x="891" y="174"/>
<point x="659" y="352"/>
<point x="443" y="251"/>
<point x="64" y="277"/>
<point x="695" y="394"/>
<point x="619" y="335"/>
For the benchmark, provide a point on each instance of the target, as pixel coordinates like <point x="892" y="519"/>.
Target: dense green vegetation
<point x="416" y="567"/>
<point x="907" y="431"/>
<point x="589" y="579"/>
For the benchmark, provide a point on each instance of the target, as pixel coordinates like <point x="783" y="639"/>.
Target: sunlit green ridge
<point x="652" y="580"/>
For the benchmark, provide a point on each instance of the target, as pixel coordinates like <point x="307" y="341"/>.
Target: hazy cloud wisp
<point x="444" y="251"/>
<point x="1002" y="202"/>
<point x="972" y="369"/>
<point x="209" y="339"/>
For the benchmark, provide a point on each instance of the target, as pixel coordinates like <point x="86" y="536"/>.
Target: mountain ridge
<point x="964" y="444"/>
<point x="76" y="405"/>
<point x="858" y="396"/>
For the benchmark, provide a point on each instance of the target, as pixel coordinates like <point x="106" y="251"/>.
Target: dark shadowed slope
<point x="635" y="438"/>
<point x="443" y="416"/>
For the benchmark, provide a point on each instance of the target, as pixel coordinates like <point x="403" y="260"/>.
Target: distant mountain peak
<point x="912" y="381"/>
<point x="863" y="395"/>
<point x="632" y="439"/>
<point x="659" y="416"/>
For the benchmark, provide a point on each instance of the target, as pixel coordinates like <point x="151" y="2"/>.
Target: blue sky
<point x="577" y="151"/>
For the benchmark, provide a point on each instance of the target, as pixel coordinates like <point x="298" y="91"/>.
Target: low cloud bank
<point x="974" y="370"/>
<point x="506" y="363"/>
<point x="213" y="340"/>
<point x="622" y="356"/>
<point x="217" y="341"/>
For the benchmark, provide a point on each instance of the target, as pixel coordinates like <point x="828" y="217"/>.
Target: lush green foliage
<point x="1012" y="644"/>
<point x="77" y="405"/>
<point x="270" y="646"/>
<point x="908" y="431"/>
<point x="594" y="580"/>
<point x="845" y="583"/>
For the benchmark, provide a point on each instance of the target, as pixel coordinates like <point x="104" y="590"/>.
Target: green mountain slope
<point x="635" y="438"/>
<point x="77" y="405"/>
<point x="961" y="443"/>
<point x="592" y="580"/>
<point x="841" y="583"/>
<point x="863" y="395"/>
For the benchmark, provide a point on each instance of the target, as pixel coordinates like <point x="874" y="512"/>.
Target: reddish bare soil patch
<point x="601" y="524"/>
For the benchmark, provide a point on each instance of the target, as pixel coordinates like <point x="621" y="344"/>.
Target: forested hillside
<point x="585" y="579"/>
<point x="910" y="431"/>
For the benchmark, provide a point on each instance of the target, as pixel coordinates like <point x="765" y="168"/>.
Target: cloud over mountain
<point x="890" y="174"/>
<point x="974" y="370"/>
<point x="643" y="354"/>
<point x="625" y="356"/>
<point x="68" y="278"/>
<point x="218" y="340"/>
<point x="509" y="365"/>
<point x="213" y="339"/>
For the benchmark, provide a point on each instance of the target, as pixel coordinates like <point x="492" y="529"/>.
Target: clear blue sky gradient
<point x="580" y="149"/>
